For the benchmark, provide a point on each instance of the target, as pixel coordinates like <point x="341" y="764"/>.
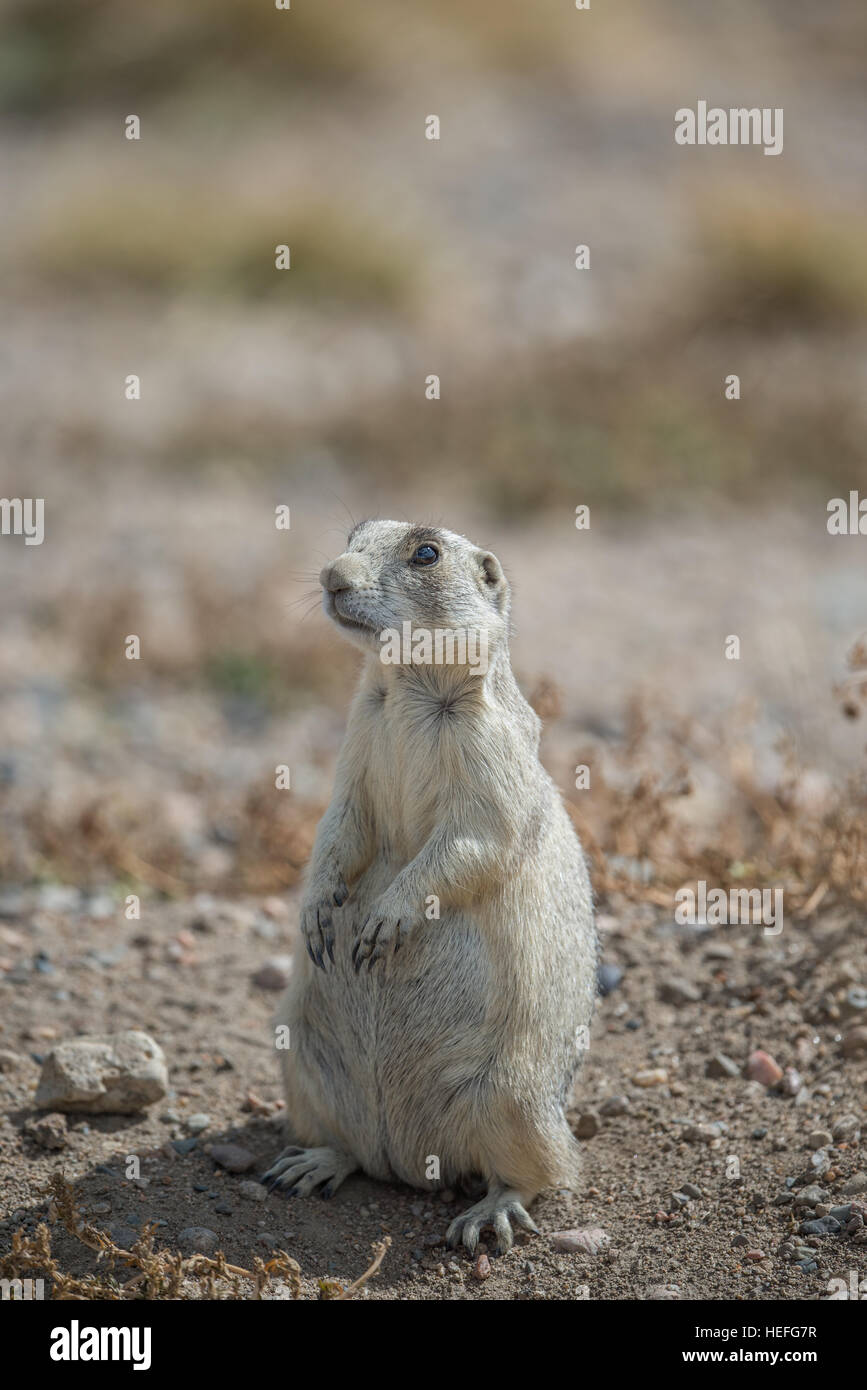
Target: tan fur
<point x="456" y="1038"/>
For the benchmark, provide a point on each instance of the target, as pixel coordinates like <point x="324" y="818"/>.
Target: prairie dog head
<point x="394" y="573"/>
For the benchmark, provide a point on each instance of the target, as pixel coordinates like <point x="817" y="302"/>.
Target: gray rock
<point x="104" y="1074"/>
<point x="13" y="903"/>
<point x="614" y="1105"/>
<point x="49" y="1131"/>
<point x="841" y="1214"/>
<point x="198" y="1240"/>
<point x="588" y="1125"/>
<point x="101" y="906"/>
<point x="253" y="1192"/>
<point x="792" y="1082"/>
<point x="855" y="1004"/>
<point x="703" y="1134"/>
<point x="846" y="1130"/>
<point x="854" y="1043"/>
<point x="609" y="977"/>
<point x="857" y="1183"/>
<point x="820" y="1162"/>
<point x="719" y="951"/>
<point x="274" y="973"/>
<point x="811" y="1196"/>
<point x="55" y="897"/>
<point x="196" y="1123"/>
<point x="691" y="1190"/>
<point x="233" y="1157"/>
<point x="122" y="1235"/>
<point x="679" y="992"/>
<point x="820" y="1139"/>
<point x="826" y="1226"/>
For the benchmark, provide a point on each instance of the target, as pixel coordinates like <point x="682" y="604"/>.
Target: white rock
<point x="111" y="1073"/>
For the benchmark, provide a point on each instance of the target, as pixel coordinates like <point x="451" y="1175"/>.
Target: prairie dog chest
<point x="411" y="736"/>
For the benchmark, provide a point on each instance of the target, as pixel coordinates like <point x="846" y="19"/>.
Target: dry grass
<point x="644" y="838"/>
<point x="144" y="1272"/>
<point x="674" y="803"/>
<point x="148" y="1273"/>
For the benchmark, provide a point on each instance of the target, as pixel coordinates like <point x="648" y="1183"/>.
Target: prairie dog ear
<point x="492" y="576"/>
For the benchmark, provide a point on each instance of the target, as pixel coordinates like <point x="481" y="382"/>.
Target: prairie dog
<point x="437" y="1050"/>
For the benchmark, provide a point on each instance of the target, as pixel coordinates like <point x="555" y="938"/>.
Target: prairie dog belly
<point x="400" y="1051"/>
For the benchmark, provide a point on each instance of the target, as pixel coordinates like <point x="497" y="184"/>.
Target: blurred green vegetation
<point x="58" y="56"/>
<point x="779" y="263"/>
<point x="174" y="238"/>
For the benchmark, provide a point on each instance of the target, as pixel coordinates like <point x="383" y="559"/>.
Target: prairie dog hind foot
<point x="501" y="1207"/>
<point x="296" y="1172"/>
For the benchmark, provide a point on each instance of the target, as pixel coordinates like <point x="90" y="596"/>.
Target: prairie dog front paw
<point x="384" y="930"/>
<point x="326" y="891"/>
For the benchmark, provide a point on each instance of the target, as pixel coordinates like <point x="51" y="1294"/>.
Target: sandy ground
<point x="185" y="975"/>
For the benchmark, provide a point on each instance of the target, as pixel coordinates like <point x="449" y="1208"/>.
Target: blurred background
<point x="559" y="387"/>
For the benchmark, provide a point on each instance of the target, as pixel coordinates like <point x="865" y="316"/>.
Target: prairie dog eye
<point x="426" y="555"/>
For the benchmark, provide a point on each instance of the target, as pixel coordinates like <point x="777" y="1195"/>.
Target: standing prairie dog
<point x="437" y="1049"/>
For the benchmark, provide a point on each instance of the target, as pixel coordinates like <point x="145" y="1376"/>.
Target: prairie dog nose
<point x="346" y="572"/>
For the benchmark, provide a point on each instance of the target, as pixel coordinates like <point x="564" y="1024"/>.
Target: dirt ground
<point x="686" y="994"/>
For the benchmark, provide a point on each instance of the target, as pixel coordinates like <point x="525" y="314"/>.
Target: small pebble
<point x="609" y="977"/>
<point x="587" y="1125"/>
<point x="274" y="973"/>
<point x="811" y="1196"/>
<point x="48" y="1131"/>
<point x="854" y="1043"/>
<point x="846" y="1130"/>
<point x="614" y="1105"/>
<point x="656" y="1076"/>
<point x="679" y="992"/>
<point x="819" y="1139"/>
<point x="762" y="1067"/>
